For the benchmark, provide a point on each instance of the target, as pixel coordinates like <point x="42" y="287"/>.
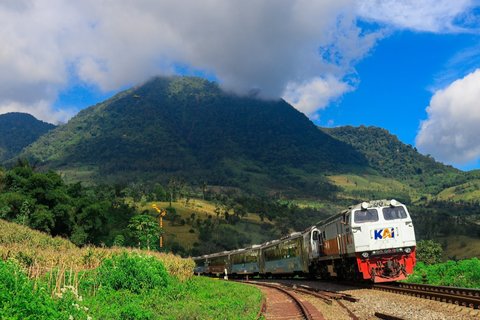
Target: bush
<point x="429" y="251"/>
<point x="463" y="273"/>
<point x="131" y="272"/>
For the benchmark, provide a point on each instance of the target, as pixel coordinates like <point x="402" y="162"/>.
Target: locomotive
<point x="372" y="241"/>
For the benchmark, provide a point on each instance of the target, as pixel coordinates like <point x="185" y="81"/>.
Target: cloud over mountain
<point x="263" y="45"/>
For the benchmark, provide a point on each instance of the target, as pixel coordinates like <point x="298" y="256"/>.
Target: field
<point x="469" y="191"/>
<point x="372" y="187"/>
<point x="185" y="234"/>
<point x="50" y="278"/>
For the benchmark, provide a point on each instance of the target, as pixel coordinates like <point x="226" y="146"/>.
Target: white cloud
<point x="42" y="110"/>
<point x="316" y="94"/>
<point x="425" y="15"/>
<point x="260" y="44"/>
<point x="451" y="132"/>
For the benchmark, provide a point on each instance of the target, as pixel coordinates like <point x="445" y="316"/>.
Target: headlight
<point x="408" y="250"/>
<point x="365" y="205"/>
<point x="365" y="254"/>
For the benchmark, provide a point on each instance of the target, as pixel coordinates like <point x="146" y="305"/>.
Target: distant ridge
<point x="387" y="154"/>
<point x="18" y="130"/>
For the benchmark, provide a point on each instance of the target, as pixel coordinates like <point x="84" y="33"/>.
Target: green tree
<point x="429" y="251"/>
<point x="145" y="230"/>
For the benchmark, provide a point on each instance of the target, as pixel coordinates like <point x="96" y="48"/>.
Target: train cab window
<point x="394" y="213"/>
<point x="361" y="216"/>
<point x="315" y="235"/>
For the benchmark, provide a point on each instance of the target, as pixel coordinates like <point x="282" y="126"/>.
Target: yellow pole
<point x="161" y="213"/>
<point x="161" y="226"/>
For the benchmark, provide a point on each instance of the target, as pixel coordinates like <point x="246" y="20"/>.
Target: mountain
<point x="399" y="168"/>
<point x="387" y="154"/>
<point x="189" y="128"/>
<point x="18" y="130"/>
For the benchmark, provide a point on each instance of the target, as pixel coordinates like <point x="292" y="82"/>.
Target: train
<point x="371" y="241"/>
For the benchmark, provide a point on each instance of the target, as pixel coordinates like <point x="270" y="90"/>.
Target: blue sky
<point x="397" y="80"/>
<point x="409" y="66"/>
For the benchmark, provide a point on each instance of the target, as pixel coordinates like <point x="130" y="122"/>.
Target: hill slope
<point x="18" y="130"/>
<point x="190" y="128"/>
<point x="386" y="154"/>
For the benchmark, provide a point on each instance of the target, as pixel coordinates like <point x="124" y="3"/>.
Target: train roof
<point x="362" y="205"/>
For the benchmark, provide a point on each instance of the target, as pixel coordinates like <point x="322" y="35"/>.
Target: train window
<point x="361" y="216"/>
<point x="238" y="259"/>
<point x="217" y="261"/>
<point x="251" y="257"/>
<point x="315" y="235"/>
<point x="393" y="213"/>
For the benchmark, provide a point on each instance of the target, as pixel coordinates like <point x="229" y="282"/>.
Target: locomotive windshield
<point x="361" y="216"/>
<point x="393" y="213"/>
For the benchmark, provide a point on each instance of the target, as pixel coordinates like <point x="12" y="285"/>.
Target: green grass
<point x="369" y="186"/>
<point x="462" y="273"/>
<point x="469" y="191"/>
<point x="128" y="286"/>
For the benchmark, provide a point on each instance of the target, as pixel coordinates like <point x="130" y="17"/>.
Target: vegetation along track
<point x="460" y="296"/>
<point x="307" y="310"/>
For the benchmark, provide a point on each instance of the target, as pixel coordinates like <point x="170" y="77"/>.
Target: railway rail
<point x="459" y="296"/>
<point x="309" y="312"/>
<point x="300" y="310"/>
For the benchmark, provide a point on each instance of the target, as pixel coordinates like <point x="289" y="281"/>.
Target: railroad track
<point x="308" y="311"/>
<point x="278" y="302"/>
<point x="459" y="296"/>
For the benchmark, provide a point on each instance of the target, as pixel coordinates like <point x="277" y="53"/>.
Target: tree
<point x="145" y="229"/>
<point x="429" y="251"/>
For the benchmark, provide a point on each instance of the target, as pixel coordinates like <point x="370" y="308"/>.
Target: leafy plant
<point x="429" y="251"/>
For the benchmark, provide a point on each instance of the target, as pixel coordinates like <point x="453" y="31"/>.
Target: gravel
<point x="371" y="301"/>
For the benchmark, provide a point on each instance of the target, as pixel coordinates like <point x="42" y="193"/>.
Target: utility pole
<point x="161" y="214"/>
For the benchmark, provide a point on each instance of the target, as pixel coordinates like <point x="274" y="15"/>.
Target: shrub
<point x="429" y="251"/>
<point x="463" y="273"/>
<point x="132" y="272"/>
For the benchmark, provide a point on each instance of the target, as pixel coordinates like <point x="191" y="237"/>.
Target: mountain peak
<point x="189" y="127"/>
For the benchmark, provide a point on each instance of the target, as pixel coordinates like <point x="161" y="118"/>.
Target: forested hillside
<point x="388" y="155"/>
<point x="18" y="130"/>
<point x="190" y="128"/>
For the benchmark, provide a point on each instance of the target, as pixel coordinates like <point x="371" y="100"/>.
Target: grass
<point x="250" y="224"/>
<point x="469" y="191"/>
<point x="371" y="187"/>
<point x="463" y="273"/>
<point x="39" y="253"/>
<point x="50" y="278"/>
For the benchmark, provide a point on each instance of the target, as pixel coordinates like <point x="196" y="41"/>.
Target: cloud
<point x="262" y="45"/>
<point x="439" y="16"/>
<point x="41" y="110"/>
<point x="252" y="44"/>
<point x="316" y="94"/>
<point x="452" y="129"/>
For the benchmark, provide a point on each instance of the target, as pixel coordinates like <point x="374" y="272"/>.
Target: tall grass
<point x="39" y="254"/>
<point x="50" y="278"/>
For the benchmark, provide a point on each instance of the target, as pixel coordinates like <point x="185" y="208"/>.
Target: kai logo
<point x="384" y="233"/>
